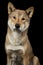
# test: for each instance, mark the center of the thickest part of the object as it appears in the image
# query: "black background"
(35, 30)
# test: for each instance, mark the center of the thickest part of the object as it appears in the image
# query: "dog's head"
(19, 19)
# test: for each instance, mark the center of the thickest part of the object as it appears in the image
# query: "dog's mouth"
(18, 30)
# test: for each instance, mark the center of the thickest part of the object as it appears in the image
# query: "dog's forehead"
(19, 12)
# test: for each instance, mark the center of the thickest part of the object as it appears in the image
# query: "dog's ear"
(10, 7)
(30, 11)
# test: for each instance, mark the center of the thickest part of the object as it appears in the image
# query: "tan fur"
(23, 43)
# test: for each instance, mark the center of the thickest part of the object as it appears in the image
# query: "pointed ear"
(30, 11)
(10, 7)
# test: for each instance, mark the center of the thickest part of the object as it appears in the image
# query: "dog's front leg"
(11, 58)
(26, 60)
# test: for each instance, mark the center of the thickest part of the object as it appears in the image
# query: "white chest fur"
(15, 38)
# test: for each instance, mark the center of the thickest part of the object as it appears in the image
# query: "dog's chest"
(15, 38)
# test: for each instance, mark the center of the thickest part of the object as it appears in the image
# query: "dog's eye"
(23, 18)
(14, 17)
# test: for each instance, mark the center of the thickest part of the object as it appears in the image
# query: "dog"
(17, 44)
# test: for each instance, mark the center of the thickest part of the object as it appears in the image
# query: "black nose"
(17, 25)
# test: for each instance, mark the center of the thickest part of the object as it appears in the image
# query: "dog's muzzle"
(17, 27)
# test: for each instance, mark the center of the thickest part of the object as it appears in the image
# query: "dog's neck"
(16, 37)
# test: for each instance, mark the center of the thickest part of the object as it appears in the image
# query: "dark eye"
(14, 17)
(23, 18)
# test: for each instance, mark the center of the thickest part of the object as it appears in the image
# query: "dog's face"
(19, 19)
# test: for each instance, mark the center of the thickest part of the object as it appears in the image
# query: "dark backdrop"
(35, 30)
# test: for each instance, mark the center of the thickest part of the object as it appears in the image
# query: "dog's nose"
(17, 26)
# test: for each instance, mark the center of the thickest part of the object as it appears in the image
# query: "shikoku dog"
(17, 44)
